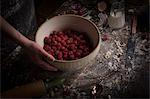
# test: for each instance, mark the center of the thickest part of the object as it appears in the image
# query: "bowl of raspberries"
(73, 40)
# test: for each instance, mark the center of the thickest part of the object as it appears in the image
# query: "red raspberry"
(81, 47)
(55, 42)
(54, 48)
(65, 50)
(49, 41)
(68, 31)
(46, 47)
(51, 53)
(65, 56)
(74, 51)
(60, 56)
(83, 42)
(68, 41)
(81, 36)
(78, 39)
(58, 39)
(72, 46)
(78, 54)
(70, 52)
(46, 40)
(67, 45)
(71, 40)
(56, 52)
(75, 42)
(58, 47)
(54, 32)
(80, 51)
(59, 44)
(72, 56)
(62, 47)
(55, 36)
(53, 39)
(85, 53)
(86, 49)
(63, 43)
(65, 37)
(51, 50)
(60, 33)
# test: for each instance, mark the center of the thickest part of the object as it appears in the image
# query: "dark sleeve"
(20, 14)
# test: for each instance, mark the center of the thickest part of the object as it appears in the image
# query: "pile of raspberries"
(67, 44)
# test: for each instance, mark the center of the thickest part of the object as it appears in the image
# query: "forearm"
(13, 33)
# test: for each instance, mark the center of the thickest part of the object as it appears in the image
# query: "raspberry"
(60, 56)
(51, 53)
(62, 47)
(70, 52)
(83, 41)
(51, 50)
(65, 50)
(60, 33)
(46, 40)
(78, 39)
(74, 50)
(54, 48)
(55, 36)
(81, 36)
(49, 41)
(65, 56)
(67, 45)
(58, 39)
(72, 46)
(75, 42)
(55, 42)
(86, 53)
(54, 32)
(71, 40)
(65, 37)
(56, 52)
(63, 43)
(81, 47)
(53, 39)
(46, 47)
(68, 41)
(59, 45)
(86, 49)
(68, 31)
(72, 56)
(77, 54)
(80, 51)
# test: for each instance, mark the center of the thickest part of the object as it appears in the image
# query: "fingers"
(43, 64)
(48, 55)
(45, 54)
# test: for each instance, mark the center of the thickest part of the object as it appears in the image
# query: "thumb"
(47, 55)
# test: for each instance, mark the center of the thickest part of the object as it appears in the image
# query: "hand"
(33, 49)
(36, 53)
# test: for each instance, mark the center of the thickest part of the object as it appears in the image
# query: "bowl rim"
(72, 15)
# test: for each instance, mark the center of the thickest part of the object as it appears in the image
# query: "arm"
(33, 49)
(13, 33)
